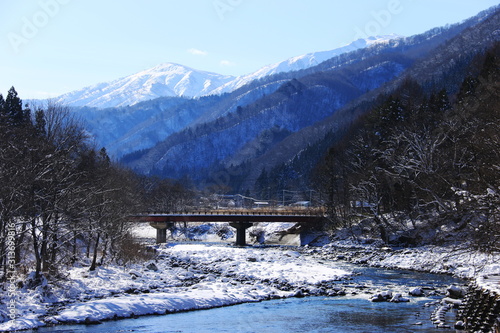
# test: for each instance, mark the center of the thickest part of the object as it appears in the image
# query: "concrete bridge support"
(241, 228)
(161, 230)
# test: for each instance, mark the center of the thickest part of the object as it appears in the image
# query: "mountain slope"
(228, 147)
(164, 80)
(296, 104)
(168, 80)
(446, 65)
(140, 126)
(302, 62)
(123, 130)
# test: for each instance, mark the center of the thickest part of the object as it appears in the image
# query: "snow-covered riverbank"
(184, 277)
(460, 262)
(196, 276)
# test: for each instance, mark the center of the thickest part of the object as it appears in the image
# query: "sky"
(50, 47)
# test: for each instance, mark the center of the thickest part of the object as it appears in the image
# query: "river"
(351, 313)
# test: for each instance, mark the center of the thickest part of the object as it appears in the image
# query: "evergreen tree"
(440, 102)
(468, 88)
(3, 114)
(40, 123)
(262, 184)
(14, 109)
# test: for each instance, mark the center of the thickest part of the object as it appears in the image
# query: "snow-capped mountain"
(167, 79)
(170, 79)
(302, 62)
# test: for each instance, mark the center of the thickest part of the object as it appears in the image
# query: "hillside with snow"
(165, 80)
(169, 79)
(302, 62)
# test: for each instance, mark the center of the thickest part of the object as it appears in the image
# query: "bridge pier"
(161, 230)
(241, 228)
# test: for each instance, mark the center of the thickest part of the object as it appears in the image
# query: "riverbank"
(195, 276)
(458, 261)
(183, 277)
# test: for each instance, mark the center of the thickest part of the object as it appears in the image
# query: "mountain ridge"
(163, 80)
(228, 146)
(172, 79)
(303, 62)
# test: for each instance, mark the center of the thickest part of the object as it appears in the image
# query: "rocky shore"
(194, 276)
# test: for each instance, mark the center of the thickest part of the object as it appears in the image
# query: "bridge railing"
(285, 212)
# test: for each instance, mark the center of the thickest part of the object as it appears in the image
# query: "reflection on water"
(352, 313)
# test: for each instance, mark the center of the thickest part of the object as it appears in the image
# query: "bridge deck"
(241, 220)
(228, 217)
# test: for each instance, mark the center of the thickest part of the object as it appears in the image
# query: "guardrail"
(225, 212)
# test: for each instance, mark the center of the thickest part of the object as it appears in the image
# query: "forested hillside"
(445, 67)
(238, 142)
(423, 166)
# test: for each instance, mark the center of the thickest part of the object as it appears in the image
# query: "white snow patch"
(170, 79)
(185, 277)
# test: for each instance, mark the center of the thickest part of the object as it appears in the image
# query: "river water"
(351, 313)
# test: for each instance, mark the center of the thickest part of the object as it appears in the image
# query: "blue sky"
(49, 47)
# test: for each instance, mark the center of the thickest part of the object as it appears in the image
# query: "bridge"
(240, 220)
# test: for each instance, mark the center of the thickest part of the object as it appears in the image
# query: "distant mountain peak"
(166, 79)
(171, 79)
(303, 62)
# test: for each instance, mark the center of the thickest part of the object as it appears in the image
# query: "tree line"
(62, 201)
(425, 160)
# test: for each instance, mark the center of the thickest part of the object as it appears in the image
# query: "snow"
(455, 260)
(186, 277)
(136, 305)
(212, 291)
(170, 79)
(491, 281)
(198, 275)
(302, 62)
(436, 259)
(166, 79)
(482, 268)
